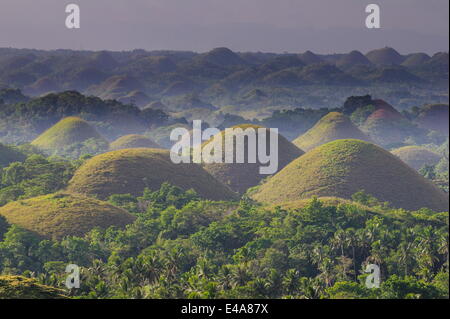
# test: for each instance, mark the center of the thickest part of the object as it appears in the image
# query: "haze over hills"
(344, 167)
(219, 76)
(417, 157)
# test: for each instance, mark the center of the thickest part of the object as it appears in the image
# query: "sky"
(322, 26)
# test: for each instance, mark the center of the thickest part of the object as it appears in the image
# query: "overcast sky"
(323, 26)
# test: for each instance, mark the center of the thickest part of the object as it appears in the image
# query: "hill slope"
(416, 156)
(333, 126)
(68, 131)
(19, 287)
(241, 176)
(385, 56)
(58, 215)
(133, 141)
(344, 167)
(130, 171)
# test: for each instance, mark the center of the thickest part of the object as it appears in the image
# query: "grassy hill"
(19, 287)
(133, 141)
(385, 56)
(416, 156)
(68, 131)
(386, 126)
(130, 171)
(416, 59)
(64, 214)
(344, 167)
(352, 59)
(333, 126)
(241, 176)
(9, 154)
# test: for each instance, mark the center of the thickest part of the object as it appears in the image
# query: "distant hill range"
(140, 77)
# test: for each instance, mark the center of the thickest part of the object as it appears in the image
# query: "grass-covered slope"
(58, 215)
(333, 126)
(241, 176)
(130, 171)
(9, 154)
(416, 156)
(133, 141)
(344, 167)
(19, 287)
(68, 131)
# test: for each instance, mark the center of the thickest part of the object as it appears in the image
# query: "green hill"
(351, 59)
(64, 214)
(344, 167)
(68, 131)
(19, 287)
(384, 56)
(241, 176)
(416, 156)
(133, 141)
(9, 154)
(416, 59)
(130, 171)
(333, 126)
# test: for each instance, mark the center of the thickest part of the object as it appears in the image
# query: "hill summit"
(133, 141)
(385, 56)
(333, 126)
(130, 171)
(68, 131)
(342, 168)
(241, 176)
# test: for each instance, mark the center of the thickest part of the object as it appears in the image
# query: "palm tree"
(352, 242)
(443, 246)
(406, 254)
(291, 281)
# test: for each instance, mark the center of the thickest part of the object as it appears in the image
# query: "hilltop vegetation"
(23, 122)
(344, 167)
